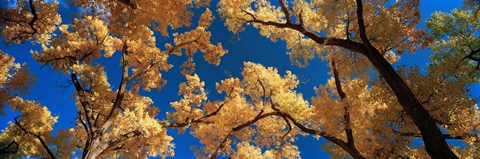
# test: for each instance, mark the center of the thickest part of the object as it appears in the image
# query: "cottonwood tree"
(112, 121)
(363, 35)
(379, 114)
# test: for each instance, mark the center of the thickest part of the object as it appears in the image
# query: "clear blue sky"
(52, 88)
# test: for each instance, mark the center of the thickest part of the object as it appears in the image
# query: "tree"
(334, 29)
(107, 27)
(367, 109)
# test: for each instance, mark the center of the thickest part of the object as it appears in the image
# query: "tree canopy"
(116, 55)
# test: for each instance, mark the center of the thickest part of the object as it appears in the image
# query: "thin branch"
(347, 27)
(7, 149)
(257, 118)
(70, 59)
(96, 120)
(445, 136)
(330, 41)
(289, 127)
(263, 88)
(121, 88)
(300, 19)
(219, 108)
(174, 125)
(198, 119)
(222, 144)
(345, 146)
(35, 17)
(89, 137)
(170, 51)
(346, 115)
(285, 11)
(25, 34)
(85, 104)
(44, 144)
(444, 78)
(84, 124)
(472, 54)
(123, 137)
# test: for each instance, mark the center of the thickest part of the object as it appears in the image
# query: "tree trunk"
(95, 149)
(435, 145)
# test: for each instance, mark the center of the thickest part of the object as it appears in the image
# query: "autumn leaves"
(377, 114)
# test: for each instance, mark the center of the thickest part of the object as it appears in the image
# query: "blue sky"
(52, 88)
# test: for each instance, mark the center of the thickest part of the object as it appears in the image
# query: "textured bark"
(435, 144)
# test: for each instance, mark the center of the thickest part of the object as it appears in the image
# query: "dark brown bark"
(352, 151)
(35, 17)
(435, 145)
(445, 136)
(39, 138)
(11, 148)
(431, 134)
(346, 113)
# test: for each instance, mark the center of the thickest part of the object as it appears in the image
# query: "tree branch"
(346, 115)
(198, 119)
(219, 108)
(35, 17)
(435, 145)
(472, 54)
(431, 134)
(445, 136)
(128, 3)
(85, 104)
(345, 146)
(7, 150)
(222, 144)
(96, 146)
(330, 41)
(264, 93)
(44, 144)
(122, 86)
(170, 51)
(285, 11)
(24, 34)
(350, 150)
(124, 137)
(361, 24)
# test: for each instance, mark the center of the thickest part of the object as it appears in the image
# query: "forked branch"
(37, 136)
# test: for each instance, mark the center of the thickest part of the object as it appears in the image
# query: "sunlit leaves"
(261, 113)
(36, 120)
(30, 19)
(246, 115)
(84, 39)
(137, 133)
(389, 27)
(14, 79)
(197, 39)
(109, 29)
